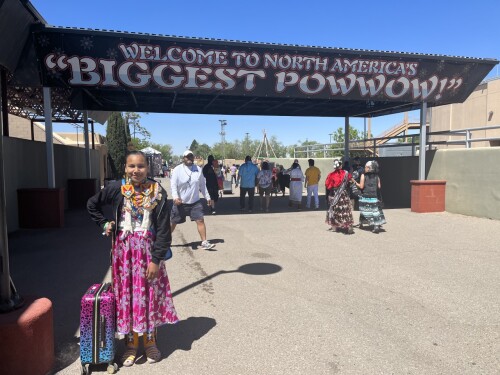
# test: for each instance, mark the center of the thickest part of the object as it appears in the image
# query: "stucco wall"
(472, 180)
(26, 167)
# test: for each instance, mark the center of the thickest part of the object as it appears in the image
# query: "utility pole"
(222, 133)
(246, 143)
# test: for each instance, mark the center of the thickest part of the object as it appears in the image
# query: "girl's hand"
(152, 271)
(110, 226)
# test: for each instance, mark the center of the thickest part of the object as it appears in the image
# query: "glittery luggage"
(97, 325)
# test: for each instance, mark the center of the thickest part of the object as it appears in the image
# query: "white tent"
(150, 151)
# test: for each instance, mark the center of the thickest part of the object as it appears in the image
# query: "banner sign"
(112, 61)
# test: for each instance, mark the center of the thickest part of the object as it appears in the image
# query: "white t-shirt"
(187, 182)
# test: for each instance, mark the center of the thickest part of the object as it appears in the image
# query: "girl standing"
(141, 227)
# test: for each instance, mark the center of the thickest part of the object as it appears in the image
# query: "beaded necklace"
(139, 202)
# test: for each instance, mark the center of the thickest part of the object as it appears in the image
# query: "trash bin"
(40, 207)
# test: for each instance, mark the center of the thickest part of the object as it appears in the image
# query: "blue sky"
(436, 27)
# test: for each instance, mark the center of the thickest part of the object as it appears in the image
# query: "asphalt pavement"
(282, 295)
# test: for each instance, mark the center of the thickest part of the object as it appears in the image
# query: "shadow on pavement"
(181, 336)
(195, 245)
(249, 269)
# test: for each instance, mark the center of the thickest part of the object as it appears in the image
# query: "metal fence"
(409, 142)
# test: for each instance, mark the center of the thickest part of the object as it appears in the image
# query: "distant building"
(481, 109)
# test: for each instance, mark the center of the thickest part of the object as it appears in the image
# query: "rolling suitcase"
(97, 328)
(228, 187)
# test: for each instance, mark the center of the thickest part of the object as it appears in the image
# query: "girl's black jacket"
(160, 216)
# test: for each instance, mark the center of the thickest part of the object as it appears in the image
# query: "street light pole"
(222, 133)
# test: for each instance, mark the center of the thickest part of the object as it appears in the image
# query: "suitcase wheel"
(112, 368)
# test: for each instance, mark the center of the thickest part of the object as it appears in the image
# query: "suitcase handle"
(102, 333)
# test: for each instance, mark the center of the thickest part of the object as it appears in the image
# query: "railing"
(372, 146)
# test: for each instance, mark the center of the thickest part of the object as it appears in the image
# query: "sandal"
(128, 358)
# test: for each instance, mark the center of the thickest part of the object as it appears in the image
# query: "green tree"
(166, 151)
(204, 150)
(279, 149)
(194, 147)
(138, 144)
(135, 127)
(116, 139)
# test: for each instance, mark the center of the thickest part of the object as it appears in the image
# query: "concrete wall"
(26, 167)
(472, 180)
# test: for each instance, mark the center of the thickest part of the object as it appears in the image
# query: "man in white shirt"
(187, 181)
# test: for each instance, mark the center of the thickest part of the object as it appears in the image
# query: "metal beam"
(346, 139)
(49, 138)
(9, 299)
(5, 110)
(423, 141)
(86, 140)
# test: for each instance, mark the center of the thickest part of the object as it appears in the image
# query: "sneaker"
(205, 245)
(213, 212)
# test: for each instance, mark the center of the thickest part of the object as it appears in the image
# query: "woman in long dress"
(370, 212)
(339, 213)
(296, 181)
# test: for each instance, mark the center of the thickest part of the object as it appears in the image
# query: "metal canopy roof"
(105, 70)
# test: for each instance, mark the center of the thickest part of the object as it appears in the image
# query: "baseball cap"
(187, 152)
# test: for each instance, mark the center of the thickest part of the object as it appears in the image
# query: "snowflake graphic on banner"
(112, 53)
(370, 104)
(423, 73)
(468, 67)
(440, 66)
(44, 40)
(58, 51)
(87, 43)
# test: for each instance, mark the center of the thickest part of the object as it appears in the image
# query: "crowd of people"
(142, 224)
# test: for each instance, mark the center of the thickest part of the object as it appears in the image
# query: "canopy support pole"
(9, 299)
(49, 137)
(346, 139)
(423, 141)
(86, 139)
